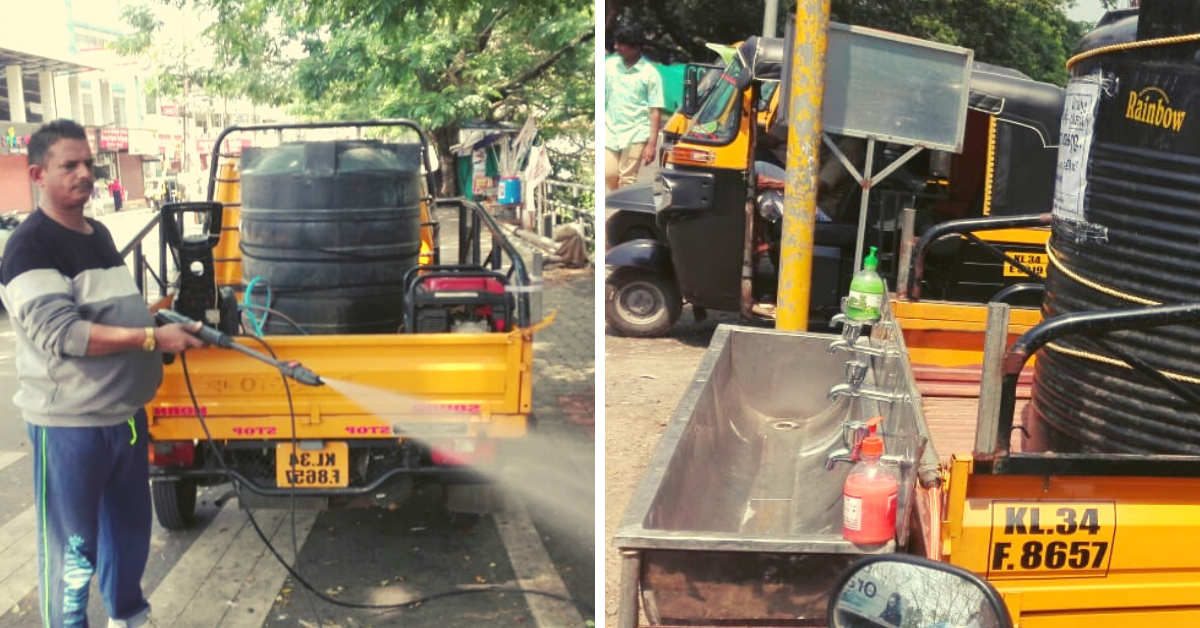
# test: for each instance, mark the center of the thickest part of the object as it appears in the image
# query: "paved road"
(219, 573)
(644, 379)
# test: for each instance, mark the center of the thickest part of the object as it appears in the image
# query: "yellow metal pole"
(804, 146)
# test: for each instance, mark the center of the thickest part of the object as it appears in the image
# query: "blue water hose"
(255, 323)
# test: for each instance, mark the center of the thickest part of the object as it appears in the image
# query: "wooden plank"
(961, 389)
(951, 422)
(959, 374)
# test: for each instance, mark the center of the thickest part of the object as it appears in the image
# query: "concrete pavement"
(564, 408)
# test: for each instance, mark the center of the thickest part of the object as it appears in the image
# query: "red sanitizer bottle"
(869, 498)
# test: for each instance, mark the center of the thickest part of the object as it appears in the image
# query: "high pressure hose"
(223, 340)
(294, 370)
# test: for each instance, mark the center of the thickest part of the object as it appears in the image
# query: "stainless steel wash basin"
(737, 517)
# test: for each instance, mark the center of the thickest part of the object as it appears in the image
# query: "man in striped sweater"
(88, 359)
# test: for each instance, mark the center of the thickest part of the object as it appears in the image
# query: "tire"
(174, 502)
(641, 304)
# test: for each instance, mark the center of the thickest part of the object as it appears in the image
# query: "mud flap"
(476, 499)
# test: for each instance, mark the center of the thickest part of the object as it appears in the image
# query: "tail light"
(174, 453)
(460, 452)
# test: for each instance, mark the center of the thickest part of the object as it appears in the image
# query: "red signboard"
(169, 110)
(232, 146)
(169, 144)
(113, 139)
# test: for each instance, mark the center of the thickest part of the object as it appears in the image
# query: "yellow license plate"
(327, 467)
(1051, 539)
(1035, 261)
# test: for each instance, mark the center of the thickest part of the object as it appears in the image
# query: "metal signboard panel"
(895, 88)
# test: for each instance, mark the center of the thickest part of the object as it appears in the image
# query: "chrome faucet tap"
(856, 372)
(862, 345)
(839, 455)
(853, 433)
(851, 329)
(846, 390)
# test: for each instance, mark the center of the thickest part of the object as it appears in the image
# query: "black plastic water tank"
(1132, 241)
(331, 227)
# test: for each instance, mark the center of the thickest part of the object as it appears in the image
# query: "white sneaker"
(141, 620)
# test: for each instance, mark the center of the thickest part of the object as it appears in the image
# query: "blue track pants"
(92, 493)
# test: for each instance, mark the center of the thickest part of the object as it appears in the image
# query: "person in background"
(117, 192)
(88, 359)
(834, 182)
(633, 103)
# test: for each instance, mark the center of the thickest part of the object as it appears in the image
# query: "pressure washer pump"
(194, 256)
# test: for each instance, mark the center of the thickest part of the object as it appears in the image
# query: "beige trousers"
(621, 168)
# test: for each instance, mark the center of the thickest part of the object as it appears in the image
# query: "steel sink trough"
(737, 520)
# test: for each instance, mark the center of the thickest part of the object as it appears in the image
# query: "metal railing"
(141, 267)
(562, 202)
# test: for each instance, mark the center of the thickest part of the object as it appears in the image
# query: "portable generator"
(456, 299)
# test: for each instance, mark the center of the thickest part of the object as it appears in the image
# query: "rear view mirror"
(698, 79)
(691, 85)
(898, 591)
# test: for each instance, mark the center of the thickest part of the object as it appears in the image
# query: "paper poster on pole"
(1075, 145)
(481, 184)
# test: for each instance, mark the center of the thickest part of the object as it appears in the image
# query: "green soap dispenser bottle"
(866, 292)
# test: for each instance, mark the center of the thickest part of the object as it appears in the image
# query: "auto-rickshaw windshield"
(716, 122)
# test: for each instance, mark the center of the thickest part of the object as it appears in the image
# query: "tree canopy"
(441, 63)
(1034, 36)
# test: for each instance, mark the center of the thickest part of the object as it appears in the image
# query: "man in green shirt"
(633, 103)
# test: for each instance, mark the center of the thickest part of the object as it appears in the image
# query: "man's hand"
(177, 338)
(651, 149)
(648, 153)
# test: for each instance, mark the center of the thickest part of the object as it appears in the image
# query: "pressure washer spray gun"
(223, 340)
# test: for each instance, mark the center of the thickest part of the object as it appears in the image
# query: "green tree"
(1034, 36)
(439, 63)
(182, 63)
(147, 38)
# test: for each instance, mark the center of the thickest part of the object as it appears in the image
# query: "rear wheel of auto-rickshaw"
(641, 304)
(174, 502)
